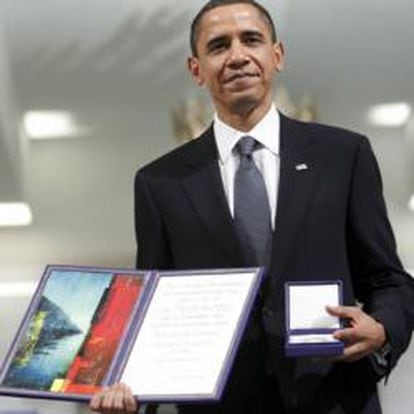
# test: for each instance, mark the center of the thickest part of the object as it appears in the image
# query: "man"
(324, 217)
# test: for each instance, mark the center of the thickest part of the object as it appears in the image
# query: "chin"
(245, 104)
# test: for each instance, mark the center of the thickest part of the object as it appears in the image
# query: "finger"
(118, 399)
(343, 311)
(130, 403)
(347, 335)
(108, 398)
(347, 358)
(355, 352)
(96, 401)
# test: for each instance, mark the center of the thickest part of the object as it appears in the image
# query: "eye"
(252, 39)
(217, 47)
(218, 44)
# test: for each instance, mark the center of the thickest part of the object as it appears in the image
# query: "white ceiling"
(120, 66)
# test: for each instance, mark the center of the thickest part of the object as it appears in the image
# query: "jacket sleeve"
(153, 251)
(380, 283)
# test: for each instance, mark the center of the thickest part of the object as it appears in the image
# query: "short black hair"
(212, 4)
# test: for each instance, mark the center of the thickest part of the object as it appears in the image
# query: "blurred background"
(90, 91)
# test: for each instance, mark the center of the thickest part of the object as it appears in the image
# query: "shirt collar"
(267, 132)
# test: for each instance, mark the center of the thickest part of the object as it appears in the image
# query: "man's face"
(237, 59)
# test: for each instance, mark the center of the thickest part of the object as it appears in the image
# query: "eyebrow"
(224, 38)
(215, 41)
(256, 33)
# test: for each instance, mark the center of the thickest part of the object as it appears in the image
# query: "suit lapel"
(204, 188)
(298, 173)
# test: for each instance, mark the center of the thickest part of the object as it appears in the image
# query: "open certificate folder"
(171, 336)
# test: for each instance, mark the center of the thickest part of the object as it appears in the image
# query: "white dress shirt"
(267, 157)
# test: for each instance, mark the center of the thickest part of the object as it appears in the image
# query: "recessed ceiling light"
(411, 203)
(392, 115)
(17, 289)
(15, 214)
(50, 124)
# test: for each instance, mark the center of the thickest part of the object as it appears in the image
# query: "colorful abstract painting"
(74, 331)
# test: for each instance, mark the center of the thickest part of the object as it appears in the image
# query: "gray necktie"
(251, 205)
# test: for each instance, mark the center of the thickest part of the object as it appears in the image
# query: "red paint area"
(89, 368)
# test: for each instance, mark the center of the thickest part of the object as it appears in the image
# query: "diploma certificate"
(171, 336)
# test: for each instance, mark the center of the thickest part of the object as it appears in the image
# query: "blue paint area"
(69, 302)
(77, 293)
(45, 365)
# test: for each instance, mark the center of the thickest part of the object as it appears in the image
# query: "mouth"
(238, 76)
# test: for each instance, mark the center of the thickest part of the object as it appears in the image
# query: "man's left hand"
(363, 336)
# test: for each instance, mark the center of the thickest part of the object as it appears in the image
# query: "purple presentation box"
(309, 327)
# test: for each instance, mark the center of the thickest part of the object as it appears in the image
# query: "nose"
(238, 56)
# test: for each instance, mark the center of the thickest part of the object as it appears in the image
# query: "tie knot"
(246, 146)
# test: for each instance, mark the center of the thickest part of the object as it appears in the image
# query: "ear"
(193, 66)
(279, 56)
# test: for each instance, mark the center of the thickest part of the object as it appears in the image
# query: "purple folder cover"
(80, 327)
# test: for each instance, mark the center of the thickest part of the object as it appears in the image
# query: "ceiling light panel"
(17, 289)
(411, 203)
(15, 214)
(50, 124)
(393, 115)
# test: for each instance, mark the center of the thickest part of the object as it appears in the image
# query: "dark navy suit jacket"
(331, 223)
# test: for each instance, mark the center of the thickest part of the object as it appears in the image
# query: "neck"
(244, 120)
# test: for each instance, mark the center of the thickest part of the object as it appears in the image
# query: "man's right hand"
(117, 399)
